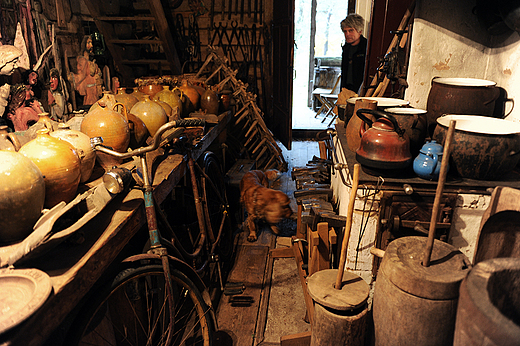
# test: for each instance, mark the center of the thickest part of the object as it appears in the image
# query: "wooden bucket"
(489, 304)
(413, 304)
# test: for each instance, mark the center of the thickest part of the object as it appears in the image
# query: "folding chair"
(320, 92)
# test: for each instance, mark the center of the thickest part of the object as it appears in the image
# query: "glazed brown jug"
(22, 197)
(192, 102)
(209, 102)
(128, 100)
(151, 113)
(353, 130)
(59, 163)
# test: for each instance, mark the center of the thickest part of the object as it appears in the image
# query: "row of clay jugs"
(209, 102)
(8, 140)
(151, 113)
(59, 163)
(22, 197)
(81, 142)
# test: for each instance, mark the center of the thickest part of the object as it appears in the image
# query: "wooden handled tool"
(438, 195)
(348, 226)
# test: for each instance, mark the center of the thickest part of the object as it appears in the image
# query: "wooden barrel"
(489, 304)
(413, 304)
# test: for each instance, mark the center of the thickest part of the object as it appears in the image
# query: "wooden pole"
(348, 226)
(438, 194)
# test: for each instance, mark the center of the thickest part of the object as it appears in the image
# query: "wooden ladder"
(151, 11)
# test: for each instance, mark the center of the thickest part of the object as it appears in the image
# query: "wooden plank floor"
(278, 307)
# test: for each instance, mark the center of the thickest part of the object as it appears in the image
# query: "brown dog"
(261, 202)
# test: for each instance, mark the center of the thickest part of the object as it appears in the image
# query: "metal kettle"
(384, 145)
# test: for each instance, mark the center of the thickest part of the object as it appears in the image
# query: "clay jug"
(169, 97)
(22, 197)
(178, 100)
(108, 99)
(128, 100)
(150, 89)
(81, 142)
(353, 133)
(140, 96)
(110, 125)
(59, 163)
(166, 107)
(192, 98)
(209, 102)
(151, 113)
(225, 100)
(8, 141)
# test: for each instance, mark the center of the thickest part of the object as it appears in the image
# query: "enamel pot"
(460, 96)
(483, 148)
(385, 144)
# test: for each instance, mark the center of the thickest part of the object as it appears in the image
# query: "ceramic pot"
(353, 130)
(192, 101)
(108, 100)
(140, 96)
(225, 101)
(8, 140)
(209, 102)
(169, 97)
(414, 122)
(22, 197)
(81, 142)
(150, 89)
(166, 107)
(59, 163)
(151, 113)
(108, 124)
(427, 164)
(129, 100)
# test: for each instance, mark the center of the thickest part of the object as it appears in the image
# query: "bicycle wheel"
(134, 310)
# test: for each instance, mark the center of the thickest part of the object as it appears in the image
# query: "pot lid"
(381, 101)
(480, 124)
(432, 147)
(441, 280)
(469, 82)
(23, 292)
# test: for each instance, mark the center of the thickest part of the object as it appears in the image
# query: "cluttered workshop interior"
(260, 172)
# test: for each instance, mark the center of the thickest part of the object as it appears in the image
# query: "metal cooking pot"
(460, 96)
(483, 148)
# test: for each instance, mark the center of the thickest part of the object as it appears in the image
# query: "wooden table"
(75, 269)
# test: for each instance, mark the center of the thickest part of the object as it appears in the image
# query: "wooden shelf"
(136, 18)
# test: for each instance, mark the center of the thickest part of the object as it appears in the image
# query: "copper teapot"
(384, 145)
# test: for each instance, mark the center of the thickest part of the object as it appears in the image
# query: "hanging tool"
(256, 12)
(229, 9)
(249, 8)
(261, 11)
(211, 14)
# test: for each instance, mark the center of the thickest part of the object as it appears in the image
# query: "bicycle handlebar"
(158, 140)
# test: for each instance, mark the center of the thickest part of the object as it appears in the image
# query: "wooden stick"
(438, 195)
(348, 226)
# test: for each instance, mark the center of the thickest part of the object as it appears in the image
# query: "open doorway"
(317, 56)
